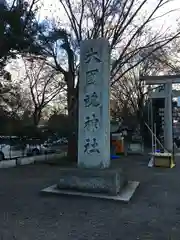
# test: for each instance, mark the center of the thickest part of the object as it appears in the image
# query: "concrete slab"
(25, 161)
(30, 160)
(8, 164)
(124, 196)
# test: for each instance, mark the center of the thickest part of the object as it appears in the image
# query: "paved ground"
(154, 212)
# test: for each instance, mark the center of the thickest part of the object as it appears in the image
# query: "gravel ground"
(153, 213)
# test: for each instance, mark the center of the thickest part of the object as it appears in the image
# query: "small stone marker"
(94, 114)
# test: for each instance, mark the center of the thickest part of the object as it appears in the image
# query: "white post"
(94, 114)
(152, 126)
(155, 143)
(168, 136)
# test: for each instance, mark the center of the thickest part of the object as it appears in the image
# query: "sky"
(52, 8)
(169, 19)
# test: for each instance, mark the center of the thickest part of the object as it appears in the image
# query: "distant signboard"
(158, 92)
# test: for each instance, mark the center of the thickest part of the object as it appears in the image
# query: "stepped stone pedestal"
(106, 181)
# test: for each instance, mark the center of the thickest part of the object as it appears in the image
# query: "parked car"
(37, 149)
(59, 141)
(56, 145)
(11, 148)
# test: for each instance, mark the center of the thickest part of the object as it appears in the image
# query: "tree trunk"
(36, 117)
(72, 140)
(72, 101)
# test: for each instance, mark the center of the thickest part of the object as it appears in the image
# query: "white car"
(37, 149)
(34, 149)
(10, 152)
(10, 149)
(60, 141)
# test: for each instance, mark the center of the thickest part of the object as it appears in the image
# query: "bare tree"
(131, 90)
(124, 23)
(131, 94)
(44, 85)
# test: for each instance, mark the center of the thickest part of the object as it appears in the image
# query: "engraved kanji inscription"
(91, 100)
(91, 123)
(94, 146)
(92, 55)
(87, 146)
(91, 76)
(91, 146)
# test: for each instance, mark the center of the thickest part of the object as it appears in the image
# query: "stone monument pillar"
(94, 114)
(93, 177)
(168, 136)
(93, 174)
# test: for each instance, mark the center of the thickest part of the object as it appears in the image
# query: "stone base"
(108, 181)
(124, 196)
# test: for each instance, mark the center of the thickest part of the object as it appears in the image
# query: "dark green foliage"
(59, 124)
(18, 30)
(18, 35)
